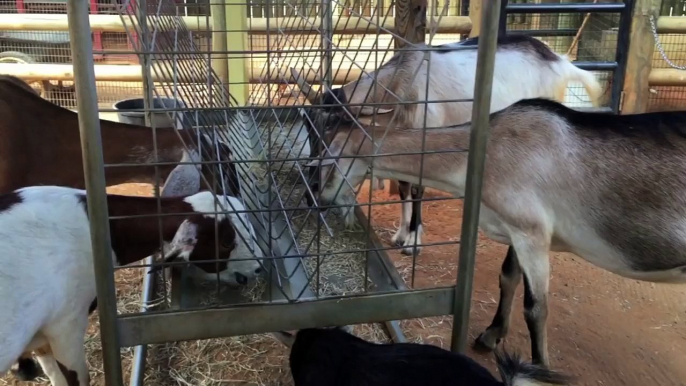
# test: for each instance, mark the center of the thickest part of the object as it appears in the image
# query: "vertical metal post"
(94, 173)
(326, 12)
(146, 62)
(475, 167)
(502, 22)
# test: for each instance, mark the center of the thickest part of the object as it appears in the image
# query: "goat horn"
(305, 87)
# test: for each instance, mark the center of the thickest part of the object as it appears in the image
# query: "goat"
(41, 145)
(524, 68)
(334, 357)
(47, 294)
(610, 189)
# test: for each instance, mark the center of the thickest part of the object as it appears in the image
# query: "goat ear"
(285, 337)
(184, 241)
(324, 162)
(370, 111)
(169, 257)
(183, 180)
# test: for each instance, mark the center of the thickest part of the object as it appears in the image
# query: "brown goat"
(41, 144)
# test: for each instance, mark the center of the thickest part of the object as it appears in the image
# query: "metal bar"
(326, 41)
(596, 66)
(140, 352)
(543, 32)
(502, 22)
(475, 168)
(94, 173)
(257, 26)
(566, 8)
(384, 279)
(214, 323)
(623, 36)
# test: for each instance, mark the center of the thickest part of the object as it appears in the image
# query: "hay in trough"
(332, 272)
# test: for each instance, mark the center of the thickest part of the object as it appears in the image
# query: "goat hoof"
(409, 251)
(398, 238)
(486, 342)
(26, 369)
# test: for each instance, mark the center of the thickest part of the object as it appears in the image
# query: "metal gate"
(617, 67)
(168, 69)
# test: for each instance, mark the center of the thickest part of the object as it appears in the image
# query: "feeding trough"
(167, 119)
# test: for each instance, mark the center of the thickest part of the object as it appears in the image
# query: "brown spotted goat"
(47, 293)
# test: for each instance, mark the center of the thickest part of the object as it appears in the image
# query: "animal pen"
(317, 274)
(225, 66)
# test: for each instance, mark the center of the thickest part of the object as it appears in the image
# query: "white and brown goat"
(524, 68)
(47, 283)
(610, 189)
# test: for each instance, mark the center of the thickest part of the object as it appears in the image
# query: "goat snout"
(241, 279)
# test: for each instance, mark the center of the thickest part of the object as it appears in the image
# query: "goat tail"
(591, 84)
(516, 372)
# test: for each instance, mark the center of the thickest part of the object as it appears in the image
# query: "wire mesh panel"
(670, 53)
(304, 263)
(583, 37)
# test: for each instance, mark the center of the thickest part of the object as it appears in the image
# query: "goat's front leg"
(405, 190)
(414, 236)
(510, 276)
(532, 254)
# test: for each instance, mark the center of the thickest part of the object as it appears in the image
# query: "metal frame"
(618, 67)
(163, 326)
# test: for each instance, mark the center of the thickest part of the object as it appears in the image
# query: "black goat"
(333, 357)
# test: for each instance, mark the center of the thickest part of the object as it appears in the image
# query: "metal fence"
(316, 272)
(670, 52)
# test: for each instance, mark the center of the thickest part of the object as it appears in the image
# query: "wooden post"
(237, 40)
(475, 15)
(410, 21)
(636, 91)
(219, 63)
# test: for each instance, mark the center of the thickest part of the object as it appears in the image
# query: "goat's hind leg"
(510, 276)
(67, 344)
(414, 236)
(532, 254)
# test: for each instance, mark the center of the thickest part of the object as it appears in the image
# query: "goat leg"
(510, 276)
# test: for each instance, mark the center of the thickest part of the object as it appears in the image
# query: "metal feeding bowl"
(168, 119)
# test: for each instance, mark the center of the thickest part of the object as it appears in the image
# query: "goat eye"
(228, 244)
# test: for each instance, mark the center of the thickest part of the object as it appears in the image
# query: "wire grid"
(53, 47)
(582, 37)
(361, 47)
(179, 57)
(666, 98)
(335, 260)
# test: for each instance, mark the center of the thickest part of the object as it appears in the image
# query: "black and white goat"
(333, 357)
(524, 68)
(610, 189)
(47, 285)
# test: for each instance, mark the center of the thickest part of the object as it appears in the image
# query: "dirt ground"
(602, 328)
